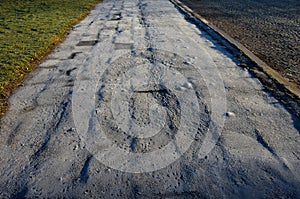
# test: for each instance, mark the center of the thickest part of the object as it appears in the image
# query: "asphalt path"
(137, 102)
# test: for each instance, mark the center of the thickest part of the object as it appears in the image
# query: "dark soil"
(269, 28)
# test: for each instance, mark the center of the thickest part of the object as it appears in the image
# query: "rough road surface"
(139, 103)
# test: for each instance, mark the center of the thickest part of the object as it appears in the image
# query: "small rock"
(71, 130)
(186, 63)
(230, 114)
(188, 85)
(180, 88)
(75, 147)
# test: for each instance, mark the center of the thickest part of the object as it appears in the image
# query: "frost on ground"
(44, 149)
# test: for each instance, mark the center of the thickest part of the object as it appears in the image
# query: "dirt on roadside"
(268, 28)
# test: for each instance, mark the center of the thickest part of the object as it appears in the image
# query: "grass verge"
(29, 29)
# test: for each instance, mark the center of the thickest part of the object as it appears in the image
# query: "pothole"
(73, 55)
(123, 46)
(116, 16)
(87, 43)
(155, 99)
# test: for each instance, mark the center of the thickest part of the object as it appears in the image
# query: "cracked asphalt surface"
(122, 58)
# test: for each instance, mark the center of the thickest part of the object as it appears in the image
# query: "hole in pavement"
(116, 16)
(73, 55)
(120, 46)
(68, 72)
(87, 43)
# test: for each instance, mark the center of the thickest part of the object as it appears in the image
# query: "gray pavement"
(139, 103)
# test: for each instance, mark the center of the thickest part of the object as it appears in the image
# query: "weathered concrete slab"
(154, 109)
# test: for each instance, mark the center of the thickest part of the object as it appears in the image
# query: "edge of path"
(286, 92)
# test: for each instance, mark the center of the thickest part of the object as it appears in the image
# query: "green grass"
(29, 29)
